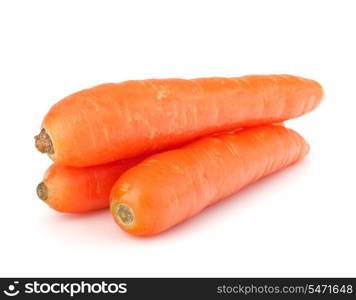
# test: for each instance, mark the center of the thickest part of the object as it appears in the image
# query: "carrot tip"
(125, 214)
(43, 142)
(42, 191)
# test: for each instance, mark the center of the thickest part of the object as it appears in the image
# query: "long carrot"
(115, 121)
(169, 187)
(75, 190)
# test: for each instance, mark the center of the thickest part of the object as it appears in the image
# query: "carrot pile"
(160, 151)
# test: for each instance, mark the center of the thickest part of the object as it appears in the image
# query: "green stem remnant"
(42, 191)
(125, 214)
(44, 143)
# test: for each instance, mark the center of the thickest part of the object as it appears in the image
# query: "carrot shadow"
(81, 227)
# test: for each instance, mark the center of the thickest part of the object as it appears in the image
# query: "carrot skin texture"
(168, 188)
(78, 190)
(115, 121)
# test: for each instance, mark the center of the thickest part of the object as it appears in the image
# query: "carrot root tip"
(43, 142)
(42, 191)
(125, 214)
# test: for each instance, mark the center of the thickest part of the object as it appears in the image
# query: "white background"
(299, 222)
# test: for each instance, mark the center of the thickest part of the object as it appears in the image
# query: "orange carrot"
(167, 188)
(75, 190)
(115, 121)
(279, 124)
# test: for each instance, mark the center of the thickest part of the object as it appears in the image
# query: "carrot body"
(169, 187)
(116, 121)
(75, 190)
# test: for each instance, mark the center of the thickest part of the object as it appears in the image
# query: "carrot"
(280, 124)
(116, 121)
(168, 188)
(75, 190)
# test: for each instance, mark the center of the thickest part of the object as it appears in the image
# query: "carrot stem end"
(125, 214)
(42, 191)
(44, 143)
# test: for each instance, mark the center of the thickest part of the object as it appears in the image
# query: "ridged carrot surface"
(75, 190)
(115, 121)
(167, 188)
